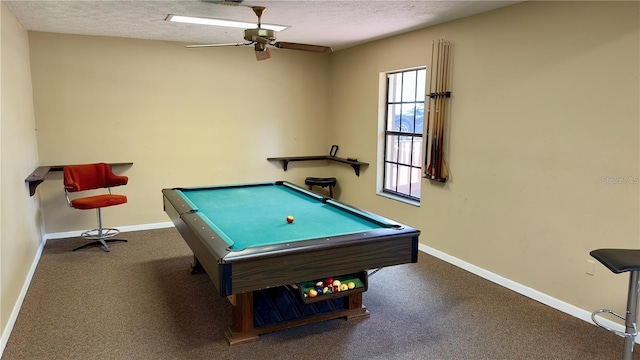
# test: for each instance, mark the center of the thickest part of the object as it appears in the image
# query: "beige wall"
(545, 105)
(20, 220)
(184, 117)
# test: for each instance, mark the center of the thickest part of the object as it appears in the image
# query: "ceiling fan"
(262, 38)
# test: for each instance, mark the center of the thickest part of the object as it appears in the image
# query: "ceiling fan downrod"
(259, 10)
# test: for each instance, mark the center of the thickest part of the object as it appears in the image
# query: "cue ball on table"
(289, 219)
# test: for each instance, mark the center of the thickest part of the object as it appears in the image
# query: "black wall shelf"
(355, 164)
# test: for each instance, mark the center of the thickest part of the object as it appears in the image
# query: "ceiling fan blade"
(217, 45)
(263, 55)
(303, 47)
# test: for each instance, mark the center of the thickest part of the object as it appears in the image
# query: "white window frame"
(383, 133)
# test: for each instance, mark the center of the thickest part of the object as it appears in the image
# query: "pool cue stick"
(428, 104)
(435, 77)
(438, 129)
(445, 169)
(430, 112)
(441, 163)
(436, 159)
(447, 99)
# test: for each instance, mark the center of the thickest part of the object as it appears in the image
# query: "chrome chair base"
(100, 237)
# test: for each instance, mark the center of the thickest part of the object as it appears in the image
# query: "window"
(404, 127)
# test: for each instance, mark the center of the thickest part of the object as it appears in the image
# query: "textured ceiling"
(339, 24)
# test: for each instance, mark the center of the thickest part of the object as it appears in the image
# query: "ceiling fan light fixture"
(221, 22)
(260, 36)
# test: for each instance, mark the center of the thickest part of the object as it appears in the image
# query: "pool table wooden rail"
(234, 272)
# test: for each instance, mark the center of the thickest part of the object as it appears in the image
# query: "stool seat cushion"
(322, 182)
(618, 260)
(98, 201)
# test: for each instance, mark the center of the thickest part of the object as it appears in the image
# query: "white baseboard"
(523, 290)
(68, 234)
(6, 332)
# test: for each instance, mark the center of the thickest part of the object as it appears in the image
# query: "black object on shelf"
(37, 176)
(355, 164)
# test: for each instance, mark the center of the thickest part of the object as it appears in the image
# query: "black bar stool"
(619, 261)
(322, 182)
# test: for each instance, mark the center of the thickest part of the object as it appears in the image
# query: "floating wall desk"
(37, 176)
(355, 164)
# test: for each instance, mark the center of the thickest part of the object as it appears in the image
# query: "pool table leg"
(241, 330)
(355, 308)
(196, 267)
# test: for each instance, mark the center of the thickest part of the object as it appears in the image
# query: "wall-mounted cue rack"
(435, 165)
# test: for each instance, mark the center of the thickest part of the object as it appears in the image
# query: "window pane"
(392, 148)
(404, 179)
(393, 117)
(416, 177)
(421, 88)
(395, 87)
(391, 173)
(409, 86)
(419, 127)
(404, 150)
(417, 152)
(408, 116)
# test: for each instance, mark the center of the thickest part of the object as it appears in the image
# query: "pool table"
(240, 236)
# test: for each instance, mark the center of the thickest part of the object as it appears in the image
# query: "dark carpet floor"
(140, 302)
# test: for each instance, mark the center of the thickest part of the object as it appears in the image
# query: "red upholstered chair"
(91, 177)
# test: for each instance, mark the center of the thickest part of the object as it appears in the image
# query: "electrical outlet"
(590, 267)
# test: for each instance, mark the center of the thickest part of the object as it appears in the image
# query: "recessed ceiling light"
(221, 22)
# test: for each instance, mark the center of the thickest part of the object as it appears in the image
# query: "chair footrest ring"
(94, 234)
(619, 333)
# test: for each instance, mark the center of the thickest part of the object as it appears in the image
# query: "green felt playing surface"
(256, 215)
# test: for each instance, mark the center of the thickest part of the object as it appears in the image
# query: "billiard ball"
(313, 293)
(289, 219)
(344, 287)
(351, 284)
